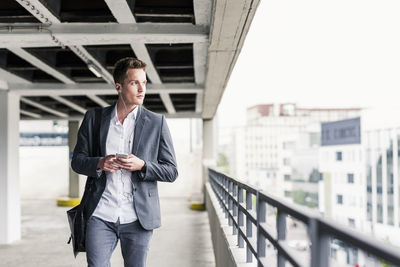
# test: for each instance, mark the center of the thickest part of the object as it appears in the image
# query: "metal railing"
(239, 211)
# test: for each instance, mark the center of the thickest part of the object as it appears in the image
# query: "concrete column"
(209, 141)
(73, 127)
(208, 160)
(10, 206)
(209, 148)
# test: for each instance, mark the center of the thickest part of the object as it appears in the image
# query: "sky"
(317, 54)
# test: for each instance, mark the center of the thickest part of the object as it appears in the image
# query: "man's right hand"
(107, 164)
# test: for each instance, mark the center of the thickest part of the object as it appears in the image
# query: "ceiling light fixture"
(93, 68)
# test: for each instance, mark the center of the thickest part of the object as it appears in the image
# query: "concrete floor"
(183, 240)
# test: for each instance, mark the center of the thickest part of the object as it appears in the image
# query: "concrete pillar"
(209, 149)
(10, 206)
(209, 140)
(73, 127)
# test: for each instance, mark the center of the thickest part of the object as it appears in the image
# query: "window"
(288, 194)
(350, 178)
(338, 156)
(339, 199)
(287, 177)
(286, 162)
(352, 222)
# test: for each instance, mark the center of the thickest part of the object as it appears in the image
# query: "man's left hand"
(131, 163)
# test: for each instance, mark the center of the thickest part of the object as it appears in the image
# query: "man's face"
(133, 89)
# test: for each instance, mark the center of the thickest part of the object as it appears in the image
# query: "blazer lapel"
(104, 126)
(141, 118)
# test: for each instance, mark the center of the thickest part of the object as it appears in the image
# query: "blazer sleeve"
(165, 169)
(82, 162)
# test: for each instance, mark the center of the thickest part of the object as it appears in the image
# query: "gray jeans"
(102, 238)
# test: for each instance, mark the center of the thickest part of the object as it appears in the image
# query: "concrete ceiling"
(49, 48)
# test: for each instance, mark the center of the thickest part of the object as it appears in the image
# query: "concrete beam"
(199, 101)
(47, 89)
(44, 108)
(122, 12)
(98, 100)
(178, 115)
(230, 25)
(11, 77)
(151, 71)
(100, 33)
(200, 53)
(10, 206)
(81, 52)
(202, 11)
(30, 114)
(69, 103)
(43, 14)
(166, 99)
(39, 11)
(40, 64)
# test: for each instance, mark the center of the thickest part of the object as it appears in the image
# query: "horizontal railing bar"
(251, 214)
(288, 208)
(288, 254)
(361, 241)
(240, 184)
(253, 245)
(248, 240)
(285, 250)
(264, 261)
(220, 184)
(295, 211)
(266, 231)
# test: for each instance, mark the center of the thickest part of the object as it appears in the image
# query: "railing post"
(230, 223)
(320, 245)
(240, 218)
(221, 192)
(235, 208)
(261, 218)
(225, 197)
(281, 235)
(249, 230)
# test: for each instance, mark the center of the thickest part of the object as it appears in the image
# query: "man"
(134, 152)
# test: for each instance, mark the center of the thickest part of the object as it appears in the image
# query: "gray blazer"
(152, 143)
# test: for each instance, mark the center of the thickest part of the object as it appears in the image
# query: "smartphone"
(119, 155)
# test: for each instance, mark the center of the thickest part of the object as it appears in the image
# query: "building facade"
(273, 135)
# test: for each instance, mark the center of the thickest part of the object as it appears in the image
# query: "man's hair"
(122, 66)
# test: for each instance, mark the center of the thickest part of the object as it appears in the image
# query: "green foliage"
(223, 162)
(384, 263)
(303, 198)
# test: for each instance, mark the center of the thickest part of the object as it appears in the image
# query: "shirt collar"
(131, 115)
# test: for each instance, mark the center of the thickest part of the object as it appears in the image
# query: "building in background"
(342, 189)
(359, 183)
(301, 175)
(264, 147)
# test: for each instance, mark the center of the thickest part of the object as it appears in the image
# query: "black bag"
(77, 225)
(76, 218)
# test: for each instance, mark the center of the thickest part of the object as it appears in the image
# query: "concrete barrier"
(226, 251)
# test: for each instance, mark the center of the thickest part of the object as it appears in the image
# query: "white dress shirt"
(117, 199)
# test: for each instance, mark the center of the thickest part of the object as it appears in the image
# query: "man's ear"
(118, 87)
